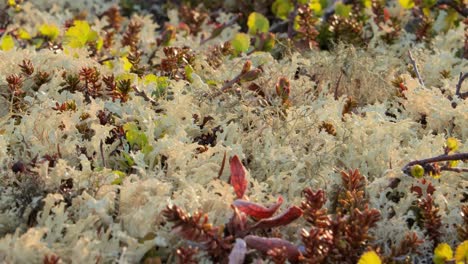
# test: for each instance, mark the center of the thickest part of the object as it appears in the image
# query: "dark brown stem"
(145, 96)
(105, 59)
(454, 169)
(444, 157)
(338, 85)
(462, 78)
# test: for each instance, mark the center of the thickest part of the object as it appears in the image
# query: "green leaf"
(7, 43)
(160, 82)
(406, 4)
(80, 34)
(343, 10)
(282, 8)
(128, 159)
(134, 136)
(188, 72)
(240, 42)
(49, 30)
(257, 23)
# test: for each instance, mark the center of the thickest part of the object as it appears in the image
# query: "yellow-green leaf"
(49, 30)
(316, 6)
(257, 23)
(282, 8)
(452, 144)
(406, 4)
(120, 176)
(7, 43)
(461, 254)
(23, 34)
(367, 3)
(417, 171)
(343, 10)
(127, 66)
(126, 76)
(240, 42)
(370, 257)
(442, 253)
(80, 34)
(453, 163)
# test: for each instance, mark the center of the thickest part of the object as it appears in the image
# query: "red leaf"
(256, 210)
(238, 180)
(264, 244)
(291, 214)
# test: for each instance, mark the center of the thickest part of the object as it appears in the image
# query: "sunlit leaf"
(370, 257)
(316, 6)
(127, 66)
(442, 253)
(240, 42)
(407, 4)
(461, 254)
(49, 30)
(23, 34)
(367, 3)
(257, 23)
(79, 34)
(7, 43)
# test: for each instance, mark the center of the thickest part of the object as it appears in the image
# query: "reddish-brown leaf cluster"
(409, 245)
(51, 259)
(27, 68)
(131, 36)
(193, 18)
(114, 18)
(173, 65)
(15, 84)
(463, 228)
(197, 228)
(66, 106)
(92, 83)
(307, 32)
(340, 237)
(430, 217)
(186, 255)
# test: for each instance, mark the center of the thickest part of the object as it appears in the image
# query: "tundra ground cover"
(298, 131)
